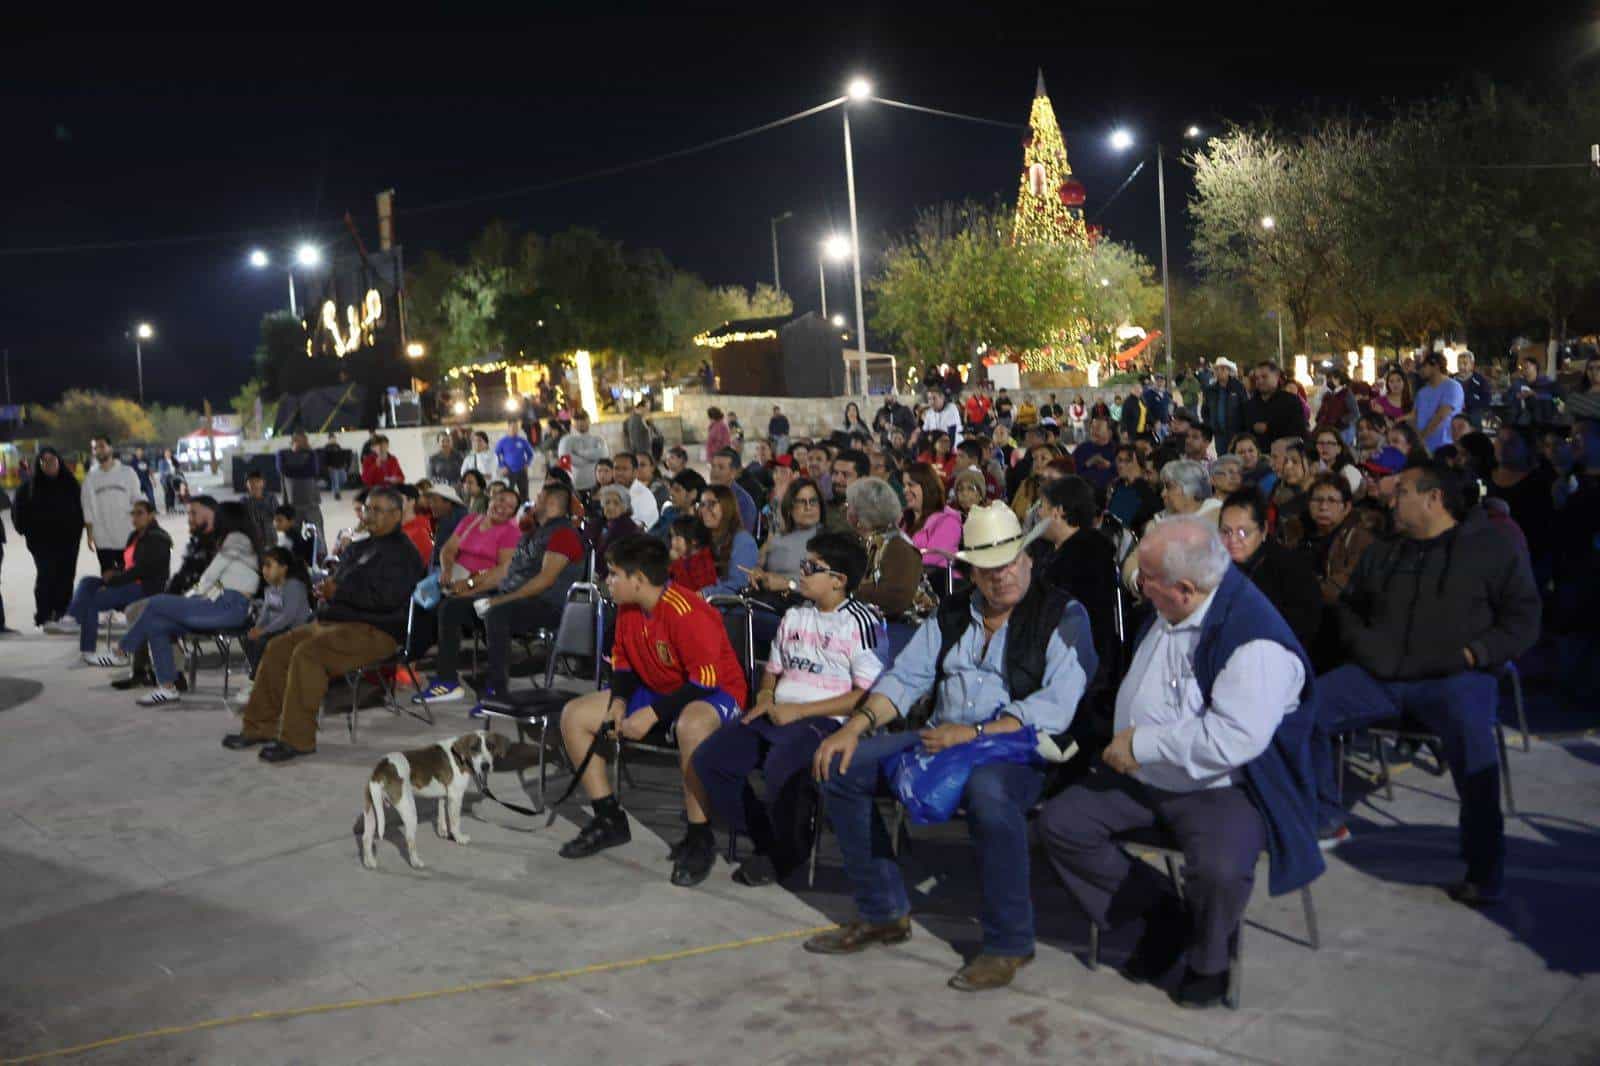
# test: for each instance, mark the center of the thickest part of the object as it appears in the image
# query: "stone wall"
(815, 417)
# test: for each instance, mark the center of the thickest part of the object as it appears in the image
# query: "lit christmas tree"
(1050, 211)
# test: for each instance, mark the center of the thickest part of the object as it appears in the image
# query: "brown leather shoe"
(989, 971)
(859, 936)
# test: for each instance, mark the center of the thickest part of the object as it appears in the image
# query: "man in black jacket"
(1222, 403)
(1428, 619)
(1273, 412)
(361, 620)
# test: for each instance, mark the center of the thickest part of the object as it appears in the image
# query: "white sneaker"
(62, 627)
(117, 618)
(161, 694)
(106, 659)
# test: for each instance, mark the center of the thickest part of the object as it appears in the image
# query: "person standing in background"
(49, 515)
(514, 453)
(141, 469)
(582, 450)
(167, 471)
(378, 467)
(336, 462)
(299, 471)
(778, 430)
(443, 465)
(109, 489)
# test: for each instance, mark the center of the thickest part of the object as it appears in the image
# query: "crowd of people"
(1180, 621)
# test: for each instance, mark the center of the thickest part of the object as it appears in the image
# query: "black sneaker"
(694, 862)
(239, 742)
(601, 833)
(139, 679)
(277, 751)
(1165, 936)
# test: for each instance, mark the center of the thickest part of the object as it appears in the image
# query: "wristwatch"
(472, 582)
(794, 586)
(977, 727)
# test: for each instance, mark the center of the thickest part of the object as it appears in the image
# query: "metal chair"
(389, 686)
(1161, 842)
(1510, 672)
(581, 632)
(1399, 729)
(223, 640)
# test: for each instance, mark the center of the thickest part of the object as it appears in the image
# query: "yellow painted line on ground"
(413, 997)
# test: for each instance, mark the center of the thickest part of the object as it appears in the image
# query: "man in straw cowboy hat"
(1010, 654)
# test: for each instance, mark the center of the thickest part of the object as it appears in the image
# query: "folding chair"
(581, 632)
(223, 640)
(1161, 842)
(1401, 728)
(389, 686)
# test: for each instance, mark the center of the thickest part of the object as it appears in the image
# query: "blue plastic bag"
(930, 786)
(427, 594)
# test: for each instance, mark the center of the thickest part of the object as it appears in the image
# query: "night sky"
(261, 139)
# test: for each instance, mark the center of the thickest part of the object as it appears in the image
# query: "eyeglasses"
(809, 568)
(710, 502)
(807, 501)
(1241, 533)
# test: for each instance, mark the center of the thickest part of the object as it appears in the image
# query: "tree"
(282, 338)
(1046, 211)
(83, 414)
(244, 403)
(1120, 289)
(958, 282)
(1222, 319)
(172, 422)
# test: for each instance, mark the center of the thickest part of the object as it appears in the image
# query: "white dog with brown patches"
(440, 771)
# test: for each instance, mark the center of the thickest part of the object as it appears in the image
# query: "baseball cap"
(1386, 461)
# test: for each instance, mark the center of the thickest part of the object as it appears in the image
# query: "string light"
(706, 340)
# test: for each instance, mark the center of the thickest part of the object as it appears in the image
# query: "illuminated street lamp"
(415, 350)
(306, 256)
(834, 247)
(142, 332)
(838, 320)
(1268, 222)
(860, 89)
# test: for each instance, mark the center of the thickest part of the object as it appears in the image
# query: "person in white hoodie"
(220, 600)
(109, 489)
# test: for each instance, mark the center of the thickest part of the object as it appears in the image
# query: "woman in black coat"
(1284, 575)
(48, 512)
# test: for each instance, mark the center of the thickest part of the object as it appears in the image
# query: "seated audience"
(1427, 619)
(1290, 497)
(894, 566)
(285, 603)
(801, 519)
(416, 523)
(934, 528)
(1222, 766)
(361, 620)
(822, 662)
(447, 511)
(1132, 500)
(675, 680)
(146, 560)
(220, 599)
(734, 548)
(692, 564)
(1227, 475)
(1283, 574)
(968, 490)
(1011, 654)
(1338, 537)
(616, 507)
(683, 495)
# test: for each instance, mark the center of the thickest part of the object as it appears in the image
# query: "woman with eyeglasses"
(802, 513)
(1283, 574)
(1333, 457)
(734, 549)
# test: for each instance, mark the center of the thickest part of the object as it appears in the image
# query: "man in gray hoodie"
(109, 489)
(1428, 619)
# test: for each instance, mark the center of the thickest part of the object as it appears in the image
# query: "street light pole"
(138, 358)
(855, 233)
(292, 309)
(1166, 287)
(777, 278)
(822, 283)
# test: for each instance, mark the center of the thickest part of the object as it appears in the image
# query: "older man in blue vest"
(1212, 744)
(1015, 653)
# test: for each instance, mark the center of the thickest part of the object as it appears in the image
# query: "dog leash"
(483, 786)
(583, 764)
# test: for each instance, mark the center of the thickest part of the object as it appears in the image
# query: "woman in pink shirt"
(481, 547)
(927, 521)
(718, 436)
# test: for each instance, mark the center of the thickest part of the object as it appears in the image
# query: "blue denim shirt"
(974, 688)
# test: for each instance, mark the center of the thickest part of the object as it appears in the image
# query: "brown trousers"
(295, 670)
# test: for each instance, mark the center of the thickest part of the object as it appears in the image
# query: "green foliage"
(957, 282)
(1446, 215)
(243, 405)
(171, 422)
(83, 414)
(282, 339)
(1221, 319)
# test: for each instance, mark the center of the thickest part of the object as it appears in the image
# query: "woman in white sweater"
(220, 600)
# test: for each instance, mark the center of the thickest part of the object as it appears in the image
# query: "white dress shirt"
(1181, 743)
(946, 419)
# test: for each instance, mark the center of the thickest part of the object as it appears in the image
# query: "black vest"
(1027, 635)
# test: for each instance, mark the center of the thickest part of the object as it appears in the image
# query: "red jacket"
(374, 474)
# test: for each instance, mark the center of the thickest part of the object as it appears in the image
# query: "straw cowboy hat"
(445, 492)
(993, 537)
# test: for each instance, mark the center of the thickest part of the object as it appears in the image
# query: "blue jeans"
(94, 596)
(1461, 709)
(998, 797)
(336, 479)
(167, 617)
(724, 762)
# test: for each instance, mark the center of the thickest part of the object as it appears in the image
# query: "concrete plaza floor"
(154, 881)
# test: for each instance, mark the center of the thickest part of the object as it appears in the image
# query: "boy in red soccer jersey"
(675, 677)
